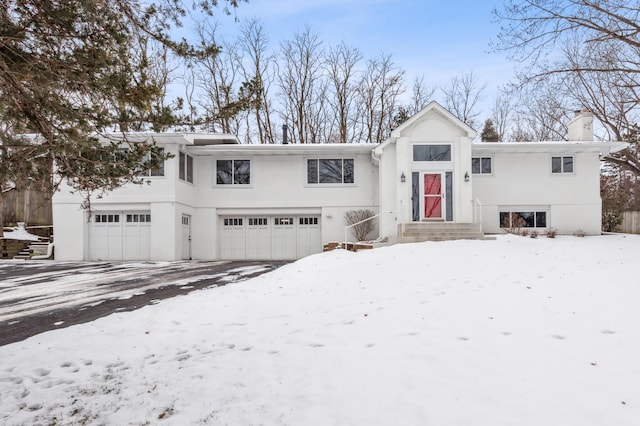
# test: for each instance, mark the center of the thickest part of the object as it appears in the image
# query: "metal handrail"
(346, 228)
(477, 212)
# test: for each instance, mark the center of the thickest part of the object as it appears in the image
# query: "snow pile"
(19, 233)
(517, 331)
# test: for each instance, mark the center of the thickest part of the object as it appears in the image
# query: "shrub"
(534, 234)
(361, 230)
(580, 233)
(513, 224)
(551, 232)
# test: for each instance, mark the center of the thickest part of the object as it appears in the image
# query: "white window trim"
(328, 185)
(232, 185)
(439, 163)
(186, 162)
(562, 172)
(535, 209)
(493, 163)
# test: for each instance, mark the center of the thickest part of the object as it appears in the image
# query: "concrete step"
(438, 231)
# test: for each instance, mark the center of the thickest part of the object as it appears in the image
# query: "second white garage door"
(120, 236)
(269, 237)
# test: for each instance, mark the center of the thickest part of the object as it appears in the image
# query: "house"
(218, 199)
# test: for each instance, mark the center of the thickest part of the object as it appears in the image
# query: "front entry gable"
(425, 168)
(433, 123)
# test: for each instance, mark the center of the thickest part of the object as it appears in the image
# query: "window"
(233, 172)
(431, 152)
(284, 221)
(338, 170)
(233, 221)
(525, 219)
(481, 166)
(562, 164)
(308, 221)
(258, 221)
(107, 218)
(138, 218)
(155, 154)
(185, 168)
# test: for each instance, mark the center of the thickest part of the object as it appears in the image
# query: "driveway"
(41, 296)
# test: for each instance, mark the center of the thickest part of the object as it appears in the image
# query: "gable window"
(431, 152)
(481, 166)
(185, 167)
(233, 172)
(523, 219)
(339, 170)
(562, 164)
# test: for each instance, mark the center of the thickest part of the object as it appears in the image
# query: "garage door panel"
(283, 240)
(258, 238)
(309, 235)
(232, 238)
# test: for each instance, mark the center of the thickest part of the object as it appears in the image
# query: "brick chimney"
(580, 128)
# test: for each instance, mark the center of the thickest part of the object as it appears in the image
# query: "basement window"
(523, 219)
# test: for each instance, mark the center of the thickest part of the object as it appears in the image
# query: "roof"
(549, 146)
(284, 149)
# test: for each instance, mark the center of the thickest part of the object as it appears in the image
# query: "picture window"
(339, 170)
(233, 172)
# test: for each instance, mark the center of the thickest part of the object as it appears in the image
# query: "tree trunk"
(1, 214)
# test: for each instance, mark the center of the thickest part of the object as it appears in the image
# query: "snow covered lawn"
(517, 331)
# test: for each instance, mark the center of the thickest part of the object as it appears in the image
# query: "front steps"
(35, 248)
(438, 231)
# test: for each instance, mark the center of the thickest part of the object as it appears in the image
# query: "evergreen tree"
(68, 73)
(489, 133)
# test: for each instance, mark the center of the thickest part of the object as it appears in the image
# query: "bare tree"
(596, 51)
(299, 80)
(379, 88)
(462, 96)
(257, 63)
(501, 113)
(421, 94)
(540, 115)
(341, 62)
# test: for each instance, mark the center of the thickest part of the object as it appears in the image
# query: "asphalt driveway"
(41, 296)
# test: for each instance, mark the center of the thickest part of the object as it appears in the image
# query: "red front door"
(432, 196)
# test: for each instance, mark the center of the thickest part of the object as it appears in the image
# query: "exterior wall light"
(466, 176)
(403, 178)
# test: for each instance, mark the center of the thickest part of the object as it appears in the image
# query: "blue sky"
(439, 39)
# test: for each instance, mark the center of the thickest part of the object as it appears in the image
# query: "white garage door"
(269, 237)
(120, 236)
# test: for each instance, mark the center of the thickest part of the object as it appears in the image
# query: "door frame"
(182, 229)
(446, 204)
